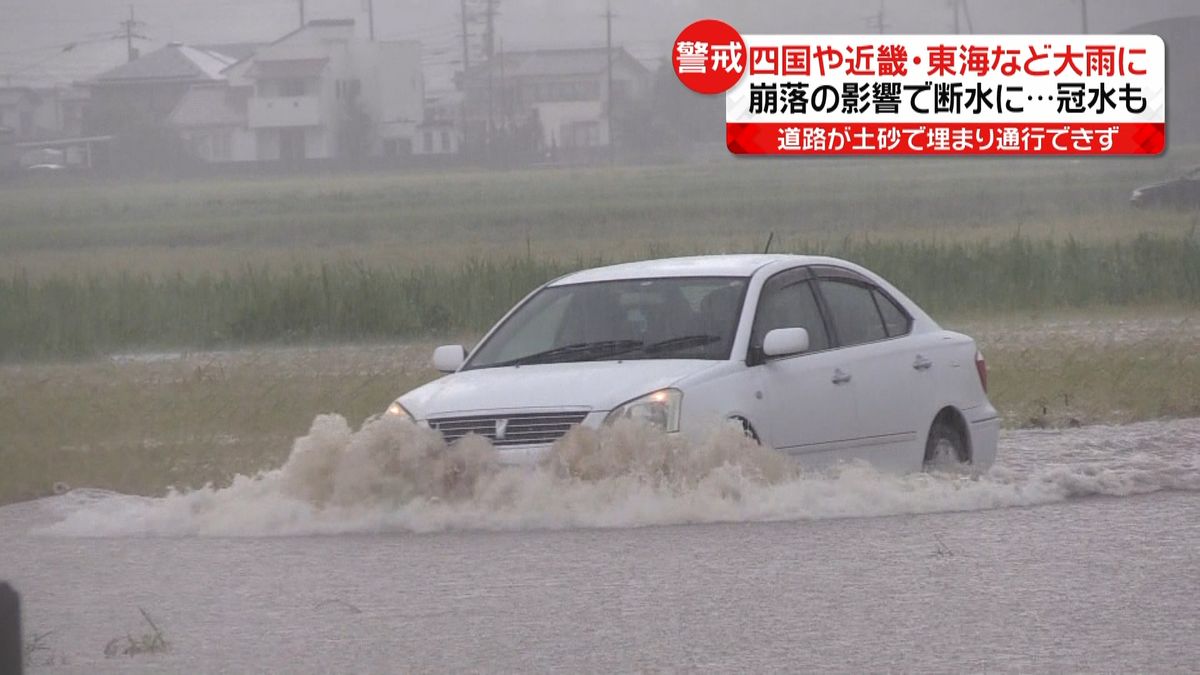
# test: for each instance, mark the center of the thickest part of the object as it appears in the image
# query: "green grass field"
(97, 268)
(406, 219)
(331, 265)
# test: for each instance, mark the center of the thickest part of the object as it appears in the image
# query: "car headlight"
(659, 408)
(395, 409)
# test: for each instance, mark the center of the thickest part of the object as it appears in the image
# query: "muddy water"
(378, 550)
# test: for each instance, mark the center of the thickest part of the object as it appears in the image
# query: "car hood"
(593, 385)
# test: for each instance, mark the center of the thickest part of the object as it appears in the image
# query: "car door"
(807, 398)
(893, 384)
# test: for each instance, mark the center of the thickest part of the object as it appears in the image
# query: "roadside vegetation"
(352, 302)
(96, 268)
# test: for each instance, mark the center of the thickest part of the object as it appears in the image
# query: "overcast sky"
(33, 32)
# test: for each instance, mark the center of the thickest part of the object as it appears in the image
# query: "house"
(564, 92)
(211, 121)
(17, 108)
(439, 132)
(319, 92)
(45, 125)
(61, 111)
(142, 93)
(43, 113)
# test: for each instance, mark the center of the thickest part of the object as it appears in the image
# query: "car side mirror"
(785, 342)
(448, 358)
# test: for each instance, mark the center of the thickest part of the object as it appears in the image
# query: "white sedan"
(815, 357)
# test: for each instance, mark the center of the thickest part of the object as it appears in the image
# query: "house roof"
(234, 50)
(322, 26)
(550, 62)
(208, 107)
(172, 63)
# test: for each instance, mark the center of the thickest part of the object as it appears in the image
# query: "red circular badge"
(709, 56)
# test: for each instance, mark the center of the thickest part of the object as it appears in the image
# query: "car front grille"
(519, 429)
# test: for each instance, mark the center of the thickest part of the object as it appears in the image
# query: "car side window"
(894, 319)
(789, 303)
(855, 316)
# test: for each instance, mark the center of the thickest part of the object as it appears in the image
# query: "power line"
(61, 49)
(98, 36)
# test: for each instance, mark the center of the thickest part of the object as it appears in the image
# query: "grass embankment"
(99, 267)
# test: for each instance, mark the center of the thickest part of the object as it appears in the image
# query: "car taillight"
(981, 368)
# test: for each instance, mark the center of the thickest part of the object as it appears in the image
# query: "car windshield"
(672, 318)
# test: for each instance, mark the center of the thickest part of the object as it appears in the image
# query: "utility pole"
(466, 62)
(960, 7)
(489, 39)
(608, 50)
(1083, 15)
(877, 20)
(371, 20)
(466, 65)
(503, 86)
(301, 4)
(130, 25)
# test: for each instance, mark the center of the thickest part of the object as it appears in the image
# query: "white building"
(565, 91)
(320, 92)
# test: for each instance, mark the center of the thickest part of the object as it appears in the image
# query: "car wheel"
(946, 449)
(747, 428)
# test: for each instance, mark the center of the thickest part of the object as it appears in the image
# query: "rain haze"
(393, 336)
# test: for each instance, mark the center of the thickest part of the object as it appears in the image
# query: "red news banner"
(933, 94)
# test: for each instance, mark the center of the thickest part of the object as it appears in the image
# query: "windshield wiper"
(579, 351)
(609, 349)
(680, 343)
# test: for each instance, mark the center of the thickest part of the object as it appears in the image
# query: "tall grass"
(219, 225)
(74, 315)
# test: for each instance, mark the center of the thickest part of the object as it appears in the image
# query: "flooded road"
(1080, 550)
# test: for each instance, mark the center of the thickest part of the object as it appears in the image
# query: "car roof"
(740, 265)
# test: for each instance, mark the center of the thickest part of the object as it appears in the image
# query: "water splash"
(393, 476)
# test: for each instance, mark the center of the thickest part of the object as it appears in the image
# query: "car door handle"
(840, 376)
(922, 363)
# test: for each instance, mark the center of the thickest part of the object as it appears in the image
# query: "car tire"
(747, 428)
(946, 449)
